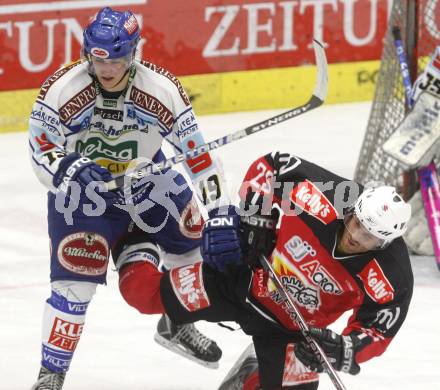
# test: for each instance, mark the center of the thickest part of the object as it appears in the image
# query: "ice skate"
(246, 365)
(48, 380)
(187, 341)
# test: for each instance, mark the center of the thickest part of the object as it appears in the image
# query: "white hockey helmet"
(383, 212)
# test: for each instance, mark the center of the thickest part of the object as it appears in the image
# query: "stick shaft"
(317, 98)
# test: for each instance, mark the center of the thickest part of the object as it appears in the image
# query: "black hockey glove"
(340, 350)
(257, 234)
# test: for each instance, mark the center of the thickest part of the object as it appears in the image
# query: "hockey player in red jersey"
(337, 248)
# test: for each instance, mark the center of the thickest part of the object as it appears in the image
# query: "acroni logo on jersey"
(303, 291)
(321, 277)
(299, 249)
(113, 157)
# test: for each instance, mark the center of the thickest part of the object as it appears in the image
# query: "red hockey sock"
(139, 284)
(252, 382)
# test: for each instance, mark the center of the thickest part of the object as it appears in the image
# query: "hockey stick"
(409, 181)
(304, 328)
(429, 185)
(317, 98)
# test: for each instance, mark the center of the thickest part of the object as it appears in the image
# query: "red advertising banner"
(193, 37)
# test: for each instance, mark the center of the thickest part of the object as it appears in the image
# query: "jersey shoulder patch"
(376, 284)
(54, 78)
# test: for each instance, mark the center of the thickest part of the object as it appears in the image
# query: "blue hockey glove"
(220, 241)
(340, 350)
(82, 170)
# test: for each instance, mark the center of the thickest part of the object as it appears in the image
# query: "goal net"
(419, 22)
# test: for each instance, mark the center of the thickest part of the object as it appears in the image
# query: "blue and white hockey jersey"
(71, 115)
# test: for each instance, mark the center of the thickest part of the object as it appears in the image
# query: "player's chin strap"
(317, 98)
(304, 328)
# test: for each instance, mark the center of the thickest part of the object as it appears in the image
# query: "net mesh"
(419, 22)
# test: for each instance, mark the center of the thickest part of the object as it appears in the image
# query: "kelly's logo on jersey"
(376, 284)
(187, 283)
(310, 199)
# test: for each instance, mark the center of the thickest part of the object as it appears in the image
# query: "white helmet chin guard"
(383, 212)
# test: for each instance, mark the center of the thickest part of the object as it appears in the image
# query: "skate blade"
(183, 352)
(248, 352)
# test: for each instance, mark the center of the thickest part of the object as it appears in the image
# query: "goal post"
(419, 23)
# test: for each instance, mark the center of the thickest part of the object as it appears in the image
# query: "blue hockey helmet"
(113, 34)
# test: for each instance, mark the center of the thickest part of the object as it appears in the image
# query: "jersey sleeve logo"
(187, 283)
(310, 199)
(57, 75)
(169, 76)
(376, 284)
(44, 143)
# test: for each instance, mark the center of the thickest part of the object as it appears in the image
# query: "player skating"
(336, 249)
(90, 120)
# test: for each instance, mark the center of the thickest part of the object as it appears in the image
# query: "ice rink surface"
(117, 351)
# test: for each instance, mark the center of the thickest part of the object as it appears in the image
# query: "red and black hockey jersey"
(376, 285)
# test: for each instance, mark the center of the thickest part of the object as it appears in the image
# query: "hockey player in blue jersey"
(92, 119)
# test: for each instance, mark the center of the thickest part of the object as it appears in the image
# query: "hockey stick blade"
(317, 99)
(304, 328)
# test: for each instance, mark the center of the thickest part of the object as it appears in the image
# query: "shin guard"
(63, 322)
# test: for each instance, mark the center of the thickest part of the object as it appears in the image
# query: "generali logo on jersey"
(187, 283)
(376, 283)
(78, 102)
(309, 198)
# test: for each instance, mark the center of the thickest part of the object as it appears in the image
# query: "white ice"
(117, 350)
